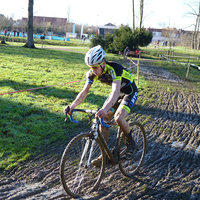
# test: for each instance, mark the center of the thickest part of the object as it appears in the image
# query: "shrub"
(123, 37)
(97, 40)
(142, 37)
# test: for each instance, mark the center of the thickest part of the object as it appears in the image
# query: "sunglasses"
(95, 66)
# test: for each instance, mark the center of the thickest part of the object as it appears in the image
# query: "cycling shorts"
(126, 101)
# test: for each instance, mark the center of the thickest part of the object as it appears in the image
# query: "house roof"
(109, 26)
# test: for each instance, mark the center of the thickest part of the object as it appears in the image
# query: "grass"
(72, 42)
(33, 120)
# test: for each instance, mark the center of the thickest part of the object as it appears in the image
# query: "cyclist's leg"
(108, 117)
(120, 116)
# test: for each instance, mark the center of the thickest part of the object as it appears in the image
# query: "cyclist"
(121, 99)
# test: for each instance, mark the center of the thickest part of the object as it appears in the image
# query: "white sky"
(157, 13)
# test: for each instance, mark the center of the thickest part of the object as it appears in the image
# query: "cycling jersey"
(112, 72)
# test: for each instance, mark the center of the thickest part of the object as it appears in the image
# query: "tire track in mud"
(171, 168)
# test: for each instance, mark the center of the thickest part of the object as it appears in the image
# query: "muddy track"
(171, 169)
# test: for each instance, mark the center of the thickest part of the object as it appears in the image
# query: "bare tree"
(133, 15)
(30, 42)
(194, 12)
(141, 12)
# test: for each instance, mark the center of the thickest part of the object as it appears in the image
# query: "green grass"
(31, 121)
(72, 42)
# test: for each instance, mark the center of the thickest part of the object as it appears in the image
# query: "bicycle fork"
(95, 135)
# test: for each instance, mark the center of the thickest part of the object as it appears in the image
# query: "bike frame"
(95, 132)
(113, 158)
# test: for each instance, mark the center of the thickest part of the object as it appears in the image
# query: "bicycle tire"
(78, 179)
(131, 167)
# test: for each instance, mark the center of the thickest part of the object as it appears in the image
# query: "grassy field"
(72, 42)
(31, 121)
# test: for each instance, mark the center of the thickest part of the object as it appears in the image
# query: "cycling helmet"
(95, 56)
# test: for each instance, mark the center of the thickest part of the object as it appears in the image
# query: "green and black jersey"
(114, 71)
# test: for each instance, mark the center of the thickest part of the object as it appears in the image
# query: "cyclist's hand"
(67, 110)
(101, 113)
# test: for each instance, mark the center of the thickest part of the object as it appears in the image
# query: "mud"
(171, 169)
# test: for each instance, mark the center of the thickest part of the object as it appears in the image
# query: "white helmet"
(95, 56)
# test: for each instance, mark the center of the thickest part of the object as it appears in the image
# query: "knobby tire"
(80, 180)
(131, 167)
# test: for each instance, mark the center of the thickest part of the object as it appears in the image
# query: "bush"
(123, 37)
(143, 37)
(109, 43)
(97, 40)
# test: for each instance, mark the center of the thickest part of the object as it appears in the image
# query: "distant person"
(14, 31)
(5, 32)
(137, 52)
(17, 33)
(126, 51)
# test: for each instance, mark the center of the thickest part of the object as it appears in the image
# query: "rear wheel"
(130, 167)
(78, 176)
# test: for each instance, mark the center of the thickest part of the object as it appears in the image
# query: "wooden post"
(138, 69)
(167, 55)
(188, 70)
(130, 63)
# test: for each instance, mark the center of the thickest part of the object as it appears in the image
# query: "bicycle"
(78, 176)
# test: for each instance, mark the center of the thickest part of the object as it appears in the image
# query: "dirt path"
(171, 169)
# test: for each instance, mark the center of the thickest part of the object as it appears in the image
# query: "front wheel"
(130, 167)
(78, 176)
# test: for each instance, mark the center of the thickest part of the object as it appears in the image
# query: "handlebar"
(92, 112)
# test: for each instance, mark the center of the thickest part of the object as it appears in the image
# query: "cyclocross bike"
(78, 176)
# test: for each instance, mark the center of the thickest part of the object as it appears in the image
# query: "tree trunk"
(30, 42)
(193, 35)
(133, 15)
(196, 34)
(141, 12)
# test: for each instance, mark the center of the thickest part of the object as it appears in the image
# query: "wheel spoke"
(78, 176)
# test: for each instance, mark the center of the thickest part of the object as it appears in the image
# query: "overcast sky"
(157, 13)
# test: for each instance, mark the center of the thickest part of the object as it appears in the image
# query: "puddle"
(197, 151)
(178, 144)
(181, 144)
